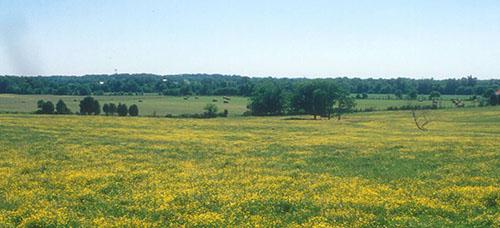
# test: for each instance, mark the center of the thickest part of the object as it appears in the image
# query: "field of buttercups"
(368, 169)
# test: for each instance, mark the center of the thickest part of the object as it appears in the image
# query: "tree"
(320, 103)
(492, 97)
(434, 95)
(185, 89)
(133, 110)
(48, 108)
(61, 108)
(97, 107)
(39, 104)
(122, 109)
(412, 95)
(45, 107)
(112, 109)
(84, 90)
(210, 110)
(314, 97)
(89, 106)
(105, 109)
(267, 99)
(343, 105)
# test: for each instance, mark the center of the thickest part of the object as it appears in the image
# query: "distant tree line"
(204, 84)
(318, 97)
(47, 107)
(88, 106)
(121, 109)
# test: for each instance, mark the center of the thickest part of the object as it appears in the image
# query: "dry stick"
(419, 126)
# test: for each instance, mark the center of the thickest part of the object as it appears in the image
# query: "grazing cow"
(458, 103)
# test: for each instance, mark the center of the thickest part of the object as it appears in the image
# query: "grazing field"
(162, 105)
(384, 104)
(369, 169)
(148, 104)
(379, 96)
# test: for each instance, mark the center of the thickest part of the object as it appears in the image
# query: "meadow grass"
(380, 105)
(380, 96)
(368, 169)
(148, 104)
(162, 105)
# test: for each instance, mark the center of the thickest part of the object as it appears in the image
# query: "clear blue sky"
(417, 38)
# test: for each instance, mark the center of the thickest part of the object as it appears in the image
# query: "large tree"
(97, 107)
(412, 95)
(122, 109)
(267, 99)
(105, 109)
(45, 107)
(315, 97)
(344, 104)
(112, 109)
(61, 108)
(133, 110)
(89, 106)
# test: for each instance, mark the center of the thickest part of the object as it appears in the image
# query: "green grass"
(150, 104)
(384, 104)
(162, 105)
(369, 169)
(379, 96)
(384, 101)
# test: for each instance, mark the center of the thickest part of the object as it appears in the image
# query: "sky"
(289, 38)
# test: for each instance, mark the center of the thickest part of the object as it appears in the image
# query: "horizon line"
(254, 76)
